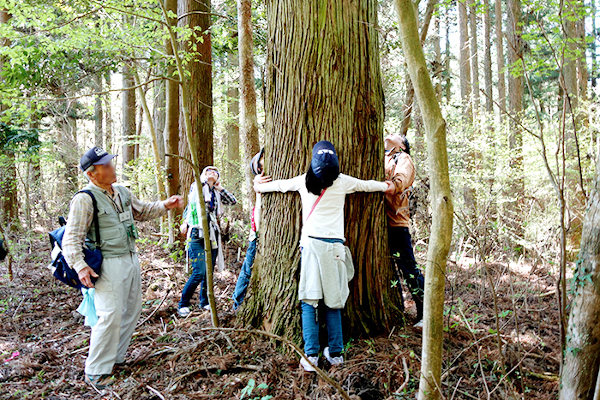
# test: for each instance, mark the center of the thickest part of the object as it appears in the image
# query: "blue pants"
(198, 277)
(310, 330)
(403, 257)
(244, 279)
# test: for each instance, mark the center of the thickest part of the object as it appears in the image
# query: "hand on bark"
(174, 202)
(260, 179)
(86, 275)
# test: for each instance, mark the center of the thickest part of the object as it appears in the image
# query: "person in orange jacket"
(399, 169)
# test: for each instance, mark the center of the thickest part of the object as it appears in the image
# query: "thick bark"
(441, 203)
(582, 353)
(171, 130)
(500, 58)
(463, 57)
(323, 83)
(248, 117)
(199, 90)
(128, 117)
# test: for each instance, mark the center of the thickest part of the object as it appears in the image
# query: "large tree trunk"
(441, 204)
(200, 90)
(129, 126)
(582, 354)
(171, 130)
(516, 185)
(248, 118)
(323, 83)
(463, 57)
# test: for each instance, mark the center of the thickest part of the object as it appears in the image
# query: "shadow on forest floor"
(172, 358)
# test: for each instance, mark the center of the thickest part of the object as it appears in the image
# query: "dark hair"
(406, 144)
(316, 185)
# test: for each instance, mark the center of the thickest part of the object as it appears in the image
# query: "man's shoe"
(100, 382)
(332, 360)
(419, 325)
(184, 311)
(304, 363)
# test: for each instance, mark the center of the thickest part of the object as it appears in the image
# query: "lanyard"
(119, 211)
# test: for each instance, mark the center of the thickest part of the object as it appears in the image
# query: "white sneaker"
(207, 307)
(332, 360)
(184, 311)
(419, 325)
(307, 367)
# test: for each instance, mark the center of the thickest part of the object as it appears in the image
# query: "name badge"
(125, 216)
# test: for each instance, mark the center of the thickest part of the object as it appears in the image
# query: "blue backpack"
(93, 258)
(3, 250)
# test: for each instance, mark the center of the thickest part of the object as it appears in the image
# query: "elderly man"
(399, 168)
(118, 290)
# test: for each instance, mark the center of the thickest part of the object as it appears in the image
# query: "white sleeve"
(282, 185)
(352, 185)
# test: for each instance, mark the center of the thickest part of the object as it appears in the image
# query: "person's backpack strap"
(314, 205)
(95, 221)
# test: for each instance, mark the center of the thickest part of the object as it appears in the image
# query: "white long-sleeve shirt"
(327, 219)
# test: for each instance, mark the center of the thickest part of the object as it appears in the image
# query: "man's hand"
(260, 179)
(183, 228)
(391, 189)
(219, 187)
(86, 275)
(173, 202)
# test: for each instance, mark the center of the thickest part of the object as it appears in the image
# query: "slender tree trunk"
(128, 131)
(500, 58)
(582, 354)
(593, 45)
(8, 169)
(515, 138)
(200, 92)
(409, 103)
(437, 73)
(171, 131)
(248, 117)
(448, 55)
(234, 175)
(158, 116)
(441, 203)
(473, 47)
(464, 66)
(487, 59)
(323, 82)
(98, 117)
(108, 139)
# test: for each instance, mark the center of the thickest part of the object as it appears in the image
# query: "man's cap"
(95, 156)
(325, 163)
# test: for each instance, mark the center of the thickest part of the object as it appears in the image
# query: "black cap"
(95, 156)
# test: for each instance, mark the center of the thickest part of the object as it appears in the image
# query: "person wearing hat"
(214, 196)
(326, 264)
(399, 169)
(256, 166)
(118, 290)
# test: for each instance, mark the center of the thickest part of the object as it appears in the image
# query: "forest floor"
(43, 342)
